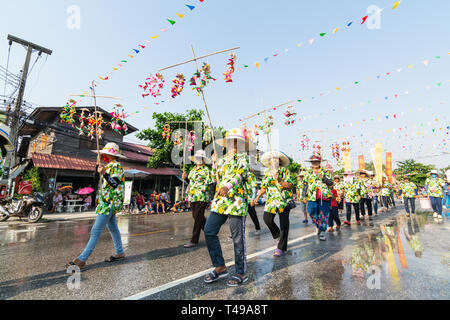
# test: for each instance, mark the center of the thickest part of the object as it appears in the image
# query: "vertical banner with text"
(389, 166)
(361, 163)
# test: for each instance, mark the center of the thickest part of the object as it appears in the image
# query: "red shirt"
(333, 199)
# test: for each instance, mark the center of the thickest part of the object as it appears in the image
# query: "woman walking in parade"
(366, 194)
(252, 192)
(435, 191)
(303, 205)
(409, 191)
(352, 189)
(385, 193)
(277, 184)
(110, 202)
(339, 186)
(317, 191)
(230, 203)
(199, 179)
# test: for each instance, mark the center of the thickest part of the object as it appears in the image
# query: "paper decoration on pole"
(336, 152)
(177, 138)
(68, 113)
(118, 119)
(191, 140)
(304, 143)
(389, 166)
(361, 163)
(267, 126)
(207, 135)
(178, 85)
(290, 114)
(379, 162)
(204, 75)
(166, 132)
(153, 85)
(228, 74)
(83, 119)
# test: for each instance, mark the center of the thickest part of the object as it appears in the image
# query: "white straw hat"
(111, 149)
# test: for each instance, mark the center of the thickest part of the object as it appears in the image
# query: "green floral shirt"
(352, 191)
(408, 189)
(366, 188)
(232, 173)
(110, 199)
(251, 185)
(314, 183)
(435, 187)
(277, 197)
(386, 189)
(339, 188)
(199, 181)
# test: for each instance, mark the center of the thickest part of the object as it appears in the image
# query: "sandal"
(214, 276)
(236, 281)
(278, 253)
(114, 259)
(78, 263)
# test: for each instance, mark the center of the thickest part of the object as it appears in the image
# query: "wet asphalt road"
(409, 256)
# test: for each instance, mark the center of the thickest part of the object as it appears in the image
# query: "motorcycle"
(29, 207)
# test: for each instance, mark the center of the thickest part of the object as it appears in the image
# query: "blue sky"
(416, 31)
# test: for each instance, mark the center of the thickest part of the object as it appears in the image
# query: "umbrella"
(65, 188)
(85, 191)
(133, 173)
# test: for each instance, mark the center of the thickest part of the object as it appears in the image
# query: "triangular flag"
(396, 5)
(115, 69)
(426, 62)
(335, 30)
(143, 47)
(299, 45)
(155, 37)
(171, 21)
(348, 25)
(265, 59)
(190, 7)
(124, 61)
(322, 34)
(311, 41)
(364, 19)
(136, 50)
(180, 15)
(257, 65)
(163, 30)
(131, 56)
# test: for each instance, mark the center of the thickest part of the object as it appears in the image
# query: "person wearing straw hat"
(303, 205)
(435, 191)
(352, 189)
(409, 191)
(277, 183)
(365, 193)
(199, 178)
(385, 192)
(317, 192)
(230, 202)
(252, 186)
(109, 203)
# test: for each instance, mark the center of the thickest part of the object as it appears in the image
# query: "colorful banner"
(361, 163)
(347, 161)
(389, 166)
(379, 162)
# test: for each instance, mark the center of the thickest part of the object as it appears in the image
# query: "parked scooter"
(29, 207)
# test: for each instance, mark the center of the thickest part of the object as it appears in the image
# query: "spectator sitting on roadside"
(88, 201)
(149, 208)
(57, 200)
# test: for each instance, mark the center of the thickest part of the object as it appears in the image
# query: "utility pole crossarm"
(30, 44)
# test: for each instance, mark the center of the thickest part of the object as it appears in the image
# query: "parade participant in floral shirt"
(110, 202)
(339, 186)
(277, 183)
(409, 191)
(352, 195)
(375, 191)
(199, 178)
(252, 192)
(435, 191)
(300, 197)
(385, 193)
(366, 194)
(230, 202)
(317, 191)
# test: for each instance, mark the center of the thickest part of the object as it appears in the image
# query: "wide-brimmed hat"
(363, 171)
(370, 173)
(237, 134)
(198, 154)
(284, 159)
(337, 177)
(111, 149)
(434, 172)
(315, 158)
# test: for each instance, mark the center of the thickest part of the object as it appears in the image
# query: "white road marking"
(172, 284)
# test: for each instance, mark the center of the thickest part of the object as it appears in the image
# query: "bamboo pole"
(94, 96)
(264, 110)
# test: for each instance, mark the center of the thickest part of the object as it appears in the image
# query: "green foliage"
(294, 167)
(419, 172)
(33, 176)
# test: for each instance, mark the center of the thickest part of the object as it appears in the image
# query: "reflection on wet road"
(395, 257)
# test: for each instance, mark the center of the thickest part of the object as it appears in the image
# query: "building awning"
(17, 170)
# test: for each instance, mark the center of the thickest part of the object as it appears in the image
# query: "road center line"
(172, 284)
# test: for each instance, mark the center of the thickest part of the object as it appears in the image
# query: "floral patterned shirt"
(386, 189)
(408, 189)
(435, 187)
(313, 183)
(366, 189)
(352, 191)
(233, 174)
(339, 188)
(110, 199)
(277, 197)
(251, 186)
(199, 180)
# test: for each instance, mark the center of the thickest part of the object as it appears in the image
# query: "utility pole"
(15, 116)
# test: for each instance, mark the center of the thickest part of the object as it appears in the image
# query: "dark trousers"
(198, 213)
(349, 210)
(254, 217)
(408, 202)
(284, 226)
(392, 199)
(365, 202)
(237, 228)
(334, 217)
(436, 204)
(385, 201)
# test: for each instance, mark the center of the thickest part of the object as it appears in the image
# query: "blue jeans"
(237, 227)
(319, 212)
(375, 204)
(100, 222)
(436, 204)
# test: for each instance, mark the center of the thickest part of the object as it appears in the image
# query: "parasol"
(85, 191)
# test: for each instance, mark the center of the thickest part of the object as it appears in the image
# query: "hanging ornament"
(267, 126)
(177, 138)
(304, 143)
(166, 132)
(204, 75)
(68, 113)
(99, 124)
(208, 134)
(346, 146)
(90, 126)
(229, 73)
(153, 85)
(178, 85)
(118, 119)
(290, 114)
(83, 119)
(191, 139)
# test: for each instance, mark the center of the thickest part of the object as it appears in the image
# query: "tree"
(294, 167)
(162, 147)
(33, 176)
(419, 172)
